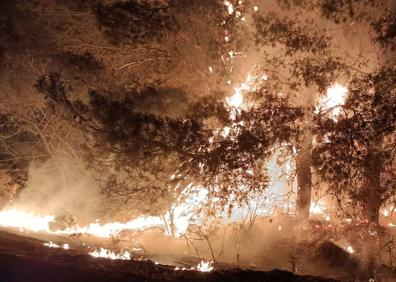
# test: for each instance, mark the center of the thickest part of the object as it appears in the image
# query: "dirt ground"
(26, 259)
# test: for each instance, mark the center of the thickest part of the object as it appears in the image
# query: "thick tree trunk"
(304, 175)
(372, 196)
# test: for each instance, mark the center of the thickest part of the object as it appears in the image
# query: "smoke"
(61, 186)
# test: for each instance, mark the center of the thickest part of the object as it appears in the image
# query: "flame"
(350, 249)
(236, 100)
(204, 266)
(27, 221)
(104, 253)
(51, 245)
(335, 97)
(317, 208)
(183, 212)
(230, 7)
(24, 220)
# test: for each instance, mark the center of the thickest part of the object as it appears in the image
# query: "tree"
(352, 154)
(128, 140)
(300, 50)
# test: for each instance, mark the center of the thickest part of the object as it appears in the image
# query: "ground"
(26, 259)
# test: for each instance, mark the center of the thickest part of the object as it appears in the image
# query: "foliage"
(135, 21)
(385, 28)
(272, 30)
(350, 154)
(137, 142)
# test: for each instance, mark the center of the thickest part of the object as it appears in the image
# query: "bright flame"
(335, 97)
(350, 250)
(51, 245)
(230, 7)
(204, 266)
(236, 100)
(104, 253)
(327, 217)
(20, 219)
(317, 208)
(183, 213)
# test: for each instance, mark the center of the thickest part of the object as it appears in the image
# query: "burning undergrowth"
(282, 157)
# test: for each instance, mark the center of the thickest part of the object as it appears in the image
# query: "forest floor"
(27, 259)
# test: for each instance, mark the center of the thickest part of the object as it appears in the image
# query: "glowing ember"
(203, 266)
(51, 245)
(335, 97)
(387, 211)
(349, 249)
(230, 7)
(180, 268)
(327, 217)
(225, 132)
(104, 253)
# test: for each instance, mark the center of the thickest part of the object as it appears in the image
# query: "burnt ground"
(26, 259)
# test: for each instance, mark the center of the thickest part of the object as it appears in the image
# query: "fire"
(113, 228)
(51, 245)
(317, 208)
(24, 220)
(204, 266)
(350, 249)
(230, 7)
(183, 213)
(104, 253)
(335, 97)
(236, 100)
(27, 221)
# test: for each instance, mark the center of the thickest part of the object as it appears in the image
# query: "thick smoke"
(61, 187)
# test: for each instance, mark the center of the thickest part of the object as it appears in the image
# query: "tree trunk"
(304, 175)
(372, 196)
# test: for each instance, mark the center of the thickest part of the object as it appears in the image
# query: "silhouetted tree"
(355, 153)
(129, 140)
